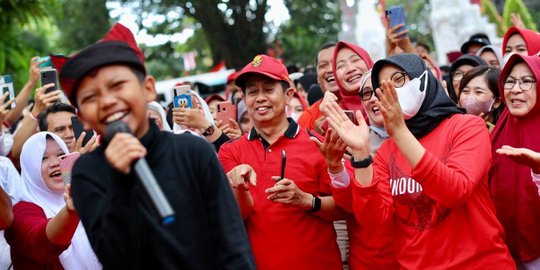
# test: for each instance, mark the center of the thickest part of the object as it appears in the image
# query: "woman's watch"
(364, 163)
(209, 130)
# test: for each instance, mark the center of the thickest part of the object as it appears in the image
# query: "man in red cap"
(280, 178)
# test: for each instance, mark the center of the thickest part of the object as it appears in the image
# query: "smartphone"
(283, 164)
(47, 63)
(182, 96)
(66, 165)
(6, 84)
(396, 15)
(49, 76)
(351, 116)
(226, 110)
(78, 129)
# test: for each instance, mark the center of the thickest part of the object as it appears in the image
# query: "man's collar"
(290, 133)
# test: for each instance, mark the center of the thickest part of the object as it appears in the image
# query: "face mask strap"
(425, 80)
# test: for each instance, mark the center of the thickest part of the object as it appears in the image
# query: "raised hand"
(390, 108)
(5, 107)
(333, 150)
(354, 136)
(522, 156)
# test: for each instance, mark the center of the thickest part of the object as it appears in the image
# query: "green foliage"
(518, 7)
(233, 28)
(312, 24)
(25, 28)
(490, 10)
(81, 24)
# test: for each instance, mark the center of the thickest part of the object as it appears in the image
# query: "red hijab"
(302, 100)
(350, 100)
(513, 191)
(531, 38)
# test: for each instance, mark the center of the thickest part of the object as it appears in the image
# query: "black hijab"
(466, 59)
(436, 107)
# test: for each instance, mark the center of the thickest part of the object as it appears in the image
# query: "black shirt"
(123, 228)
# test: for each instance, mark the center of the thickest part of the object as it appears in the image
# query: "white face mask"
(411, 97)
(475, 107)
(295, 116)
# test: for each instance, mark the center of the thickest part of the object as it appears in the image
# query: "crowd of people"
(354, 164)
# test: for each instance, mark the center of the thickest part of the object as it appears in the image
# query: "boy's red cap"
(264, 65)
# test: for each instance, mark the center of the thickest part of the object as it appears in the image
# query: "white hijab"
(177, 129)
(79, 254)
(154, 106)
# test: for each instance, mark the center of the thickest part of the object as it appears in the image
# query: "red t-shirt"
(369, 247)
(30, 248)
(444, 213)
(284, 236)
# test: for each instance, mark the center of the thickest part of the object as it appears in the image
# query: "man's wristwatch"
(209, 130)
(364, 163)
(315, 204)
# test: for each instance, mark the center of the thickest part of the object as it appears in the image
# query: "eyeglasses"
(366, 93)
(525, 83)
(398, 78)
(458, 75)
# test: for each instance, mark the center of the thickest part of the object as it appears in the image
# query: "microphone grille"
(116, 127)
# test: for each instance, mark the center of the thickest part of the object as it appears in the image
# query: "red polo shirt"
(284, 236)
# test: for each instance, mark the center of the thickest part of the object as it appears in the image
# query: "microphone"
(146, 177)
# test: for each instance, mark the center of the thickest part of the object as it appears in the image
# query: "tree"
(233, 28)
(24, 26)
(312, 23)
(81, 24)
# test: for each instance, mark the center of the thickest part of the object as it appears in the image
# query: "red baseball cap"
(264, 65)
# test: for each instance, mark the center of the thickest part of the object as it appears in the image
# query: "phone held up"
(48, 75)
(182, 96)
(78, 129)
(226, 111)
(66, 165)
(396, 15)
(6, 84)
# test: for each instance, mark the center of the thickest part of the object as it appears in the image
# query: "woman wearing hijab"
(479, 94)
(212, 102)
(492, 55)
(369, 247)
(463, 64)
(156, 112)
(514, 194)
(296, 106)
(520, 41)
(349, 64)
(422, 176)
(46, 232)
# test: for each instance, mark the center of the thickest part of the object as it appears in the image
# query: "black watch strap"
(364, 163)
(315, 204)
(209, 131)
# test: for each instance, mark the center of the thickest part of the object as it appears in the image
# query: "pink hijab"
(350, 100)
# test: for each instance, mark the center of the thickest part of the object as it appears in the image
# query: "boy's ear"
(149, 85)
